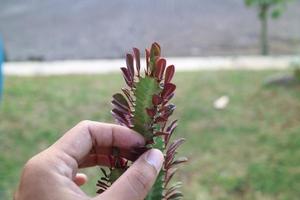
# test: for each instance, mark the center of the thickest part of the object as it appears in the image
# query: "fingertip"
(155, 158)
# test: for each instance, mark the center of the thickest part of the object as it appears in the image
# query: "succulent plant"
(145, 107)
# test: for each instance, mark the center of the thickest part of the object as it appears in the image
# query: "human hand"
(52, 174)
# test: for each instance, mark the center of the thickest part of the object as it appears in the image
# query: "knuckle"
(31, 164)
(84, 123)
(33, 167)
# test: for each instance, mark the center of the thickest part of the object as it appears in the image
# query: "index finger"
(88, 135)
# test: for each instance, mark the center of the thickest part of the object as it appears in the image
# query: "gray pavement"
(96, 29)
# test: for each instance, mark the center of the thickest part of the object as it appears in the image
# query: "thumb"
(136, 182)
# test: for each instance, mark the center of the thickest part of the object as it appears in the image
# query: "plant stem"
(264, 41)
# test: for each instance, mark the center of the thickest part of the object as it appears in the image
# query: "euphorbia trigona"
(145, 108)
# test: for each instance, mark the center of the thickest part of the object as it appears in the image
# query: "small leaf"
(156, 100)
(148, 71)
(170, 174)
(100, 191)
(104, 172)
(130, 67)
(168, 110)
(155, 50)
(160, 68)
(175, 196)
(160, 119)
(175, 145)
(126, 76)
(136, 52)
(102, 184)
(179, 161)
(127, 94)
(120, 117)
(159, 133)
(154, 55)
(121, 100)
(169, 73)
(170, 130)
(169, 88)
(151, 112)
(173, 188)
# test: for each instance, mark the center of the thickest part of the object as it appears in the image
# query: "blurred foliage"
(266, 8)
(275, 6)
(250, 150)
(295, 65)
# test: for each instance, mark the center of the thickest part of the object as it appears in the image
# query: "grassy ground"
(250, 150)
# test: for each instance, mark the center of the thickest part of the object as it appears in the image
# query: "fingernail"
(155, 158)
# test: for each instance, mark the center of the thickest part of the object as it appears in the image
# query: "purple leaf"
(126, 76)
(121, 117)
(170, 174)
(120, 107)
(179, 161)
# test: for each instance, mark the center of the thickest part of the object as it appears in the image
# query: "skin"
(52, 174)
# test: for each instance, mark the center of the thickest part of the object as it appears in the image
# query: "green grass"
(250, 150)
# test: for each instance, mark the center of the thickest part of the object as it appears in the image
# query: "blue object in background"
(1, 61)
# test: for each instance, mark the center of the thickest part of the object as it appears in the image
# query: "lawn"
(250, 150)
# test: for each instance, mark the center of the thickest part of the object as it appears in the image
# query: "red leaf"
(169, 88)
(160, 68)
(130, 67)
(175, 145)
(136, 52)
(126, 76)
(148, 61)
(151, 112)
(169, 73)
(156, 100)
(160, 119)
(159, 133)
(168, 110)
(172, 126)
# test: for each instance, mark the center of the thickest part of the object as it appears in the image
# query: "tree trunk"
(264, 41)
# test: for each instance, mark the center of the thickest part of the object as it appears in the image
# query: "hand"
(52, 174)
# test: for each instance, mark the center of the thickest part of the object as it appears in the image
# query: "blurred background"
(75, 29)
(239, 110)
